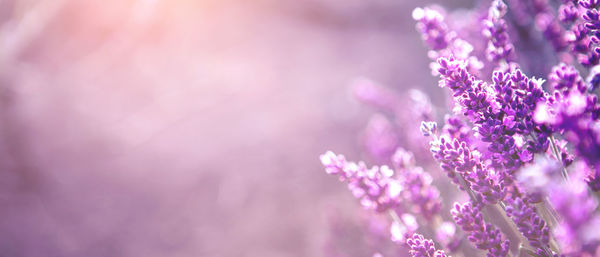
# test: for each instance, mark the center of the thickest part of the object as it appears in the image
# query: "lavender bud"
(428, 128)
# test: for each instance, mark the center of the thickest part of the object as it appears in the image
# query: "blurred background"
(188, 127)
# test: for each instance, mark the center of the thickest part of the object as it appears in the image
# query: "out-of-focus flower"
(375, 187)
(495, 30)
(381, 138)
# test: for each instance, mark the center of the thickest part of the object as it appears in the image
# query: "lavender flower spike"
(529, 223)
(565, 77)
(495, 30)
(374, 186)
(484, 235)
(458, 160)
(434, 31)
(421, 247)
(425, 198)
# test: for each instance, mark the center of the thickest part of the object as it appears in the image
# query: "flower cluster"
(484, 235)
(500, 112)
(443, 41)
(495, 30)
(421, 247)
(529, 223)
(523, 151)
(383, 188)
(463, 166)
(375, 187)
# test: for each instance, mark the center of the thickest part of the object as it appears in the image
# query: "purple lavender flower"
(592, 19)
(434, 31)
(568, 13)
(593, 79)
(484, 235)
(583, 36)
(455, 76)
(460, 162)
(417, 187)
(552, 30)
(576, 208)
(428, 128)
(457, 128)
(501, 112)
(564, 77)
(421, 247)
(374, 186)
(589, 4)
(495, 30)
(500, 125)
(442, 41)
(574, 114)
(580, 44)
(382, 189)
(529, 223)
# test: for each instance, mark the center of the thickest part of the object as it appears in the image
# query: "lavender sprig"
(421, 247)
(443, 41)
(457, 159)
(484, 235)
(417, 188)
(529, 223)
(375, 186)
(495, 30)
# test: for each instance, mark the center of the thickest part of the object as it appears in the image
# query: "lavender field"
(299, 128)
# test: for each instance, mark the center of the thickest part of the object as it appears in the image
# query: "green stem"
(395, 216)
(554, 149)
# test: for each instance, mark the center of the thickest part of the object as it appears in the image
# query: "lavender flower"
(442, 41)
(583, 36)
(577, 210)
(500, 113)
(417, 186)
(564, 77)
(574, 114)
(552, 30)
(428, 128)
(495, 30)
(461, 163)
(421, 247)
(457, 128)
(374, 186)
(434, 31)
(568, 13)
(589, 4)
(382, 189)
(484, 235)
(532, 226)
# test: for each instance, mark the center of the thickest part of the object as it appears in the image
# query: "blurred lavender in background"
(191, 128)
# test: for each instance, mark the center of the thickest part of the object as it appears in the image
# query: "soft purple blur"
(188, 128)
